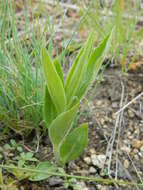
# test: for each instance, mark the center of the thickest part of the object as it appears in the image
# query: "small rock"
(126, 149)
(126, 164)
(98, 160)
(110, 120)
(99, 102)
(92, 170)
(140, 154)
(105, 126)
(114, 105)
(136, 157)
(137, 143)
(81, 184)
(126, 141)
(131, 114)
(104, 188)
(84, 172)
(102, 121)
(92, 151)
(10, 154)
(95, 160)
(54, 181)
(137, 131)
(90, 123)
(128, 133)
(131, 137)
(91, 188)
(135, 151)
(87, 160)
(99, 186)
(102, 158)
(113, 116)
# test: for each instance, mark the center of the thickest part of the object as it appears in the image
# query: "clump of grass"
(21, 79)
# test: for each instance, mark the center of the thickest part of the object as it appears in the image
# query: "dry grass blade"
(129, 103)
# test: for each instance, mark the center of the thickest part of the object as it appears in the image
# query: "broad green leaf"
(45, 167)
(77, 71)
(50, 112)
(60, 127)
(74, 144)
(54, 83)
(94, 65)
(72, 69)
(59, 69)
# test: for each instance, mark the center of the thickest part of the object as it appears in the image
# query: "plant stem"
(57, 156)
(99, 180)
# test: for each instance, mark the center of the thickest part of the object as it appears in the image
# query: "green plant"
(23, 158)
(124, 16)
(7, 183)
(21, 79)
(62, 98)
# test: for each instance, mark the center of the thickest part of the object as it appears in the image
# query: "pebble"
(126, 164)
(99, 103)
(92, 151)
(102, 121)
(98, 160)
(90, 123)
(87, 160)
(128, 133)
(131, 137)
(131, 114)
(137, 143)
(114, 105)
(102, 158)
(113, 116)
(135, 151)
(92, 170)
(105, 126)
(95, 160)
(110, 120)
(101, 187)
(136, 157)
(10, 154)
(81, 184)
(140, 154)
(54, 181)
(126, 141)
(126, 149)
(137, 131)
